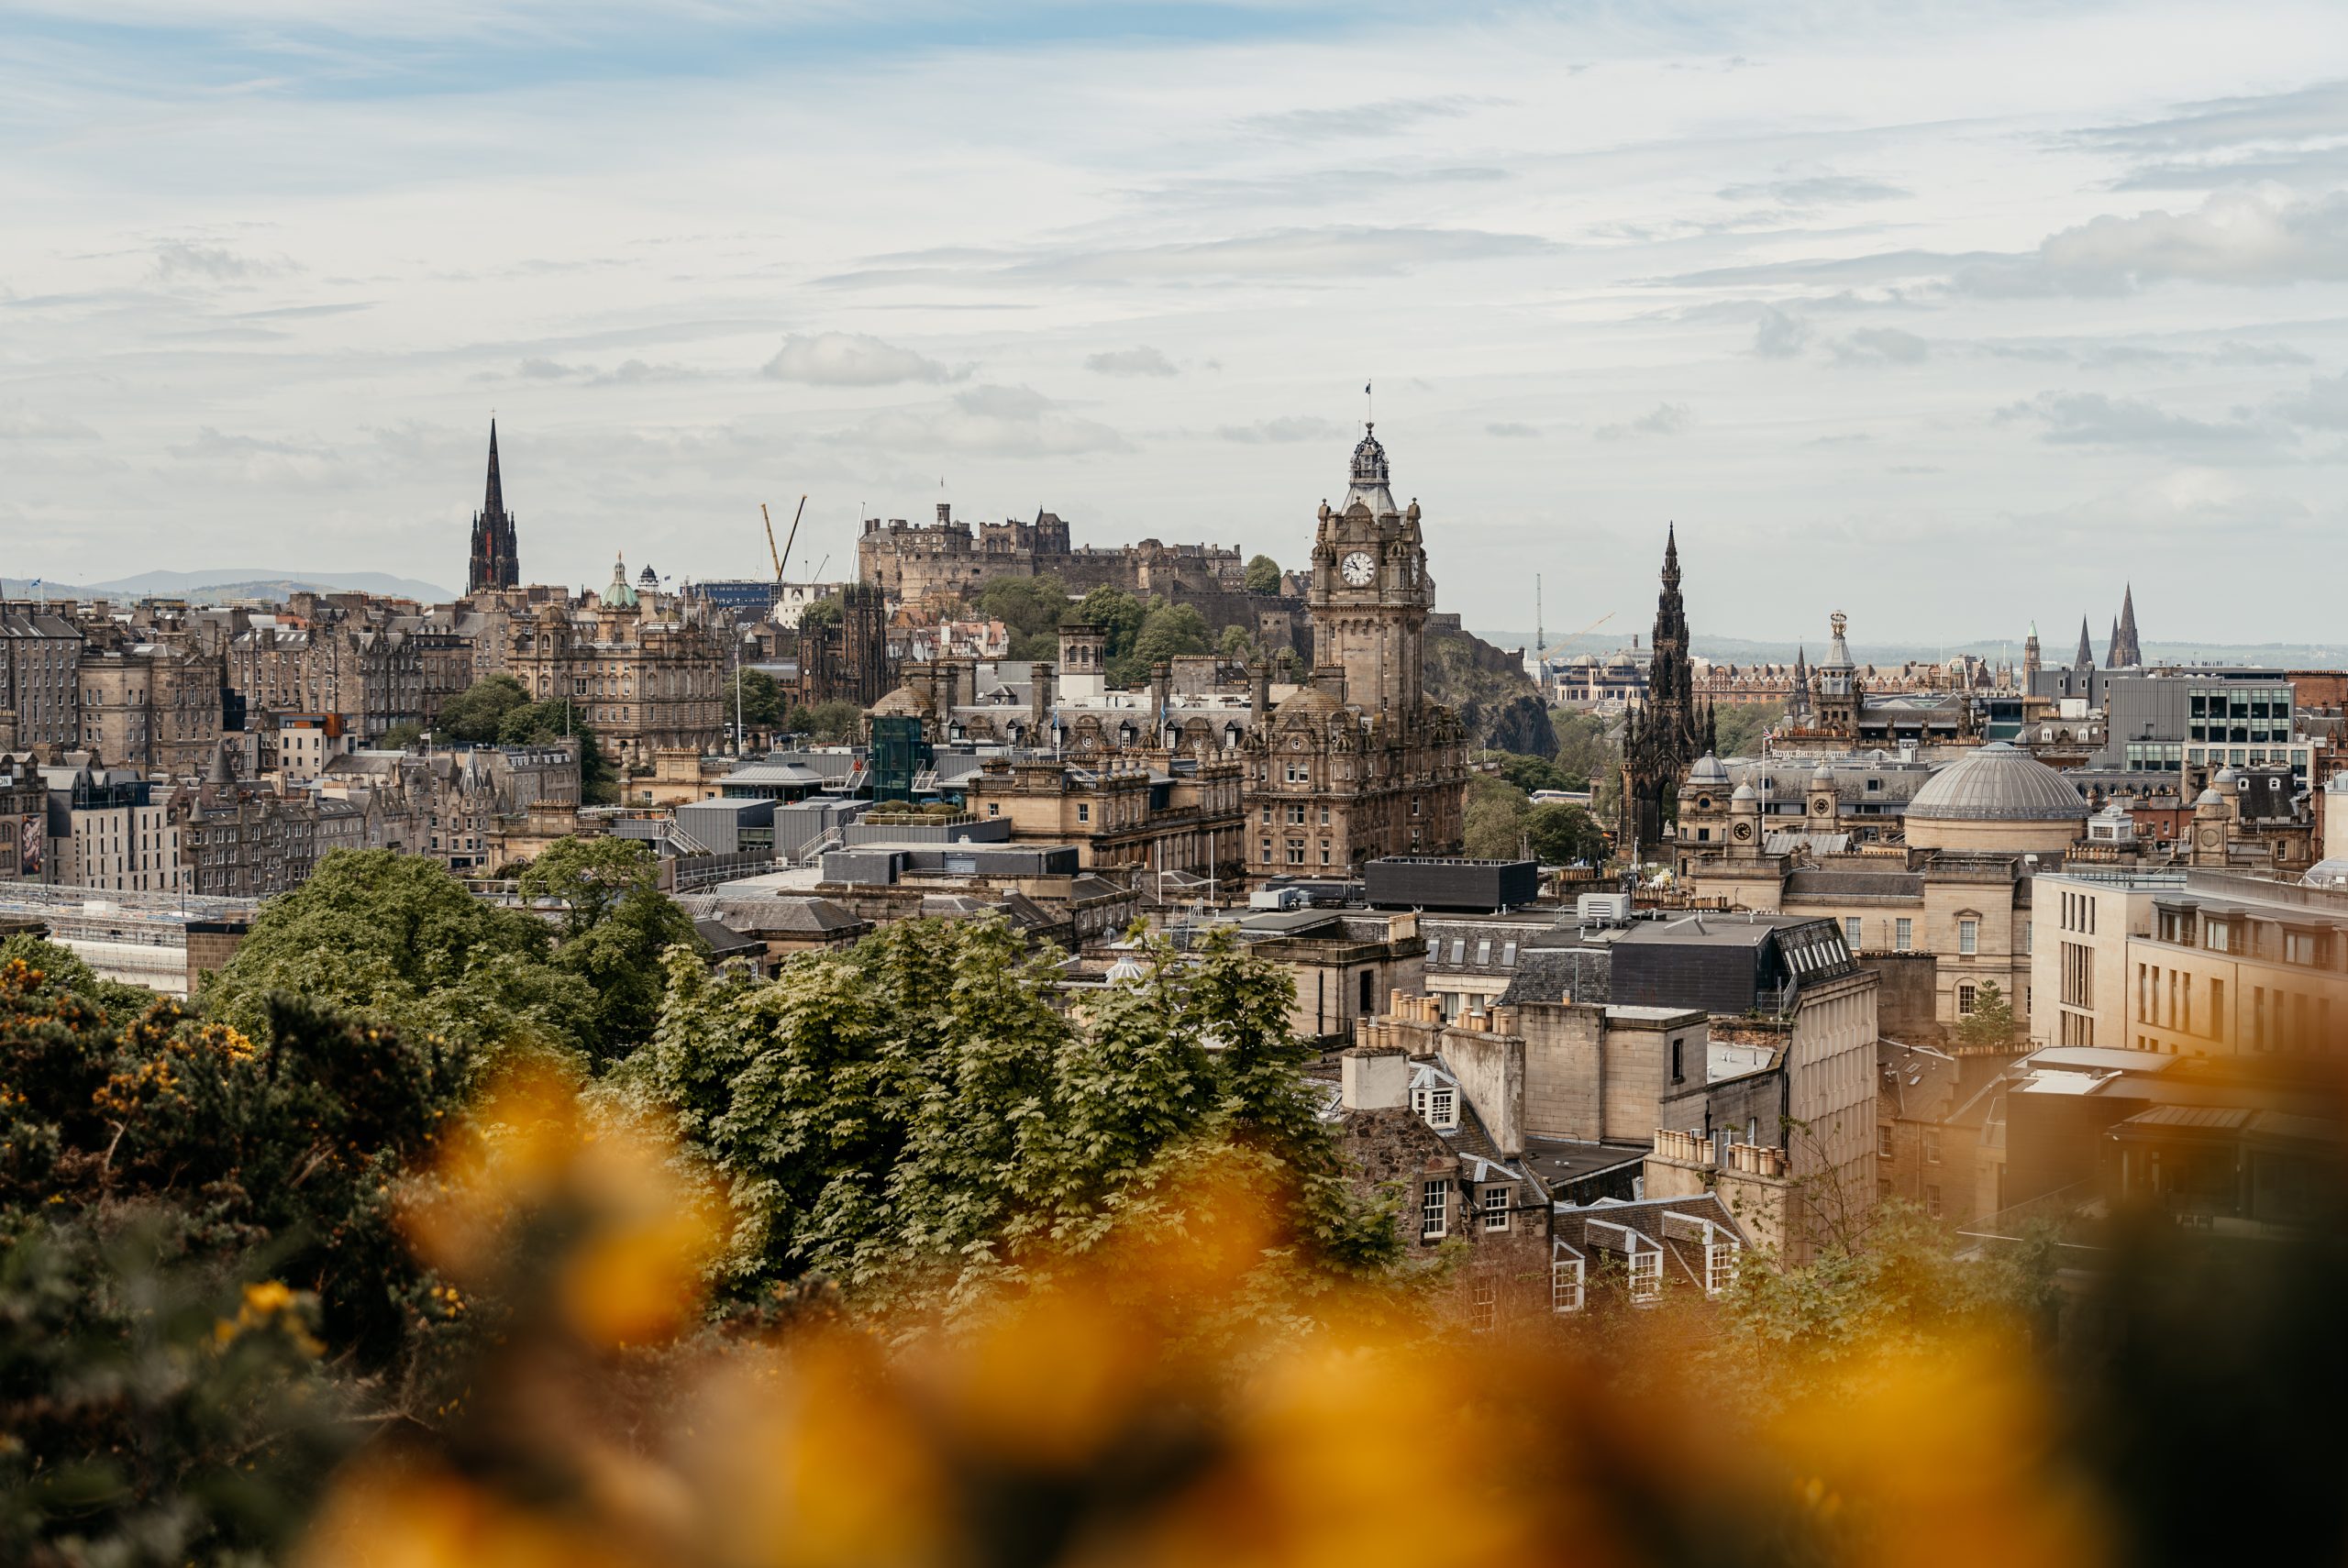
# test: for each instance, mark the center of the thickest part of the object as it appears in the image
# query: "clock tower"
(1370, 593)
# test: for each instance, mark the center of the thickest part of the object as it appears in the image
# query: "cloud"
(1779, 335)
(1880, 345)
(2187, 503)
(1664, 419)
(1293, 427)
(851, 360)
(2290, 137)
(1386, 117)
(21, 423)
(1137, 361)
(1819, 190)
(2092, 419)
(1853, 438)
(188, 260)
(2323, 406)
(996, 421)
(1511, 431)
(1313, 254)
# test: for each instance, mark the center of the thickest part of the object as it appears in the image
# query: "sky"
(1949, 316)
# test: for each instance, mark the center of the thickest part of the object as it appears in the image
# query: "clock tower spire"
(1370, 593)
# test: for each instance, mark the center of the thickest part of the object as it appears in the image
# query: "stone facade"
(41, 658)
(645, 669)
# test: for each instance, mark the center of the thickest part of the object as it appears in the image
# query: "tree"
(402, 736)
(1263, 575)
(827, 723)
(588, 875)
(1117, 612)
(1737, 729)
(1586, 746)
(474, 716)
(1532, 773)
(1166, 632)
(1560, 834)
(549, 723)
(920, 1114)
(1031, 609)
(394, 939)
(1522, 725)
(1494, 823)
(821, 613)
(1990, 1025)
(760, 700)
(1238, 645)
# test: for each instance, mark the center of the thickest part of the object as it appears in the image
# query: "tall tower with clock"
(1370, 592)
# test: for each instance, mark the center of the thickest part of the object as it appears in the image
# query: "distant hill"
(234, 582)
(2054, 651)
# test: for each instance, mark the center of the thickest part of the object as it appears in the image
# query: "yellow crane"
(788, 539)
(1544, 653)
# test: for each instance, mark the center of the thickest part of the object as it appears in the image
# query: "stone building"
(1669, 731)
(1186, 816)
(949, 559)
(41, 658)
(647, 670)
(1359, 764)
(152, 706)
(1952, 880)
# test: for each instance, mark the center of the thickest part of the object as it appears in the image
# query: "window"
(1883, 1141)
(1933, 1202)
(1967, 996)
(1720, 1264)
(1484, 1297)
(1296, 816)
(1483, 950)
(1903, 935)
(1931, 1145)
(2025, 936)
(1296, 851)
(1679, 1074)
(1969, 937)
(2218, 935)
(1083, 811)
(1443, 1108)
(1496, 1207)
(1851, 932)
(1565, 1285)
(1646, 1276)
(1434, 1198)
(1267, 849)
(1458, 950)
(1508, 954)
(2300, 947)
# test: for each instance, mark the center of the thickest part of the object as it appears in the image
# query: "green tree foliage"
(760, 700)
(1031, 609)
(1167, 630)
(1117, 612)
(919, 1111)
(1990, 1025)
(1494, 824)
(1587, 745)
(476, 715)
(1522, 725)
(400, 737)
(826, 722)
(548, 724)
(1738, 728)
(821, 613)
(1561, 834)
(1263, 575)
(1532, 773)
(395, 939)
(618, 924)
(1236, 644)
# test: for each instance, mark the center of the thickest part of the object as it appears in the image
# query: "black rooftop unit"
(1725, 962)
(1443, 882)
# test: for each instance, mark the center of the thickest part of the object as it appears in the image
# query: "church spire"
(2126, 652)
(493, 501)
(2085, 658)
(494, 564)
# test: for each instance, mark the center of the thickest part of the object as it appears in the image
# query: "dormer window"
(1496, 1207)
(1646, 1277)
(1565, 1282)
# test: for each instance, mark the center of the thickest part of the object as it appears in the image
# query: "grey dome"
(1707, 770)
(2227, 778)
(1998, 784)
(1745, 793)
(1822, 774)
(2209, 797)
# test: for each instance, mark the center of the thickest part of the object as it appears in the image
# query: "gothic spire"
(1671, 555)
(493, 501)
(2085, 658)
(2127, 653)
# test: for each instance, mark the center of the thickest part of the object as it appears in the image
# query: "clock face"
(1359, 568)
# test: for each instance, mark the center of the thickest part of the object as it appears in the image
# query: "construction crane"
(788, 539)
(1542, 653)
